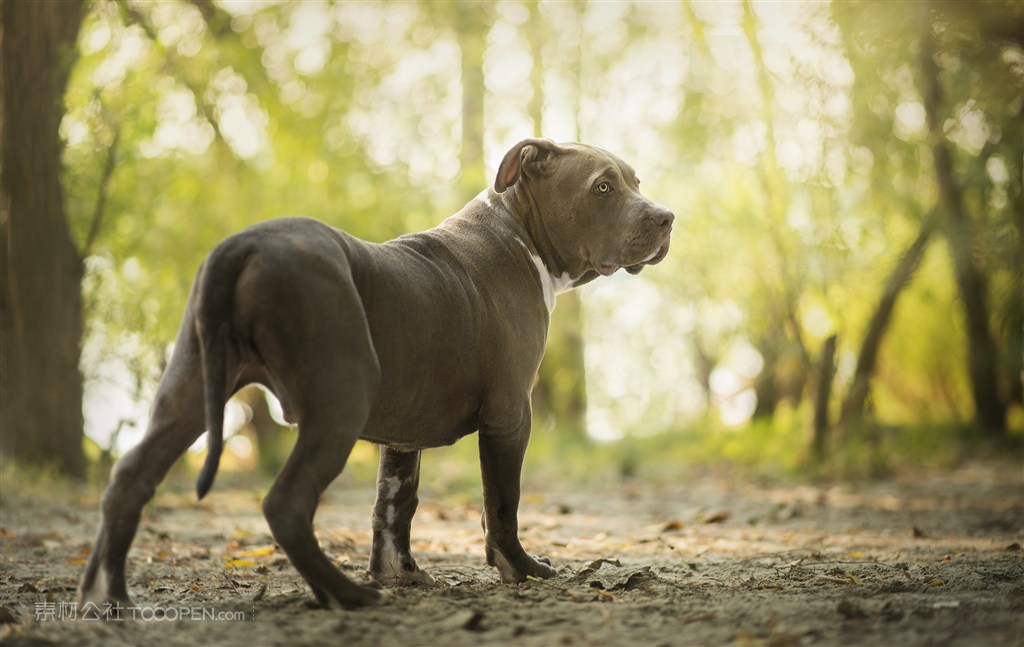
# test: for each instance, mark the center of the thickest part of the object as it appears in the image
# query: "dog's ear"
(529, 157)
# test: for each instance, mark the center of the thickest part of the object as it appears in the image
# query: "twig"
(233, 585)
(101, 198)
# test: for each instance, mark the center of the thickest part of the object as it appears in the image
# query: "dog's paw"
(417, 577)
(517, 571)
(355, 597)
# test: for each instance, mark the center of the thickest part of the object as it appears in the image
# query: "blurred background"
(844, 291)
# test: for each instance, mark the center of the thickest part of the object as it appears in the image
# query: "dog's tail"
(213, 324)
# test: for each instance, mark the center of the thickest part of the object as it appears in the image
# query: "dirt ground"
(708, 560)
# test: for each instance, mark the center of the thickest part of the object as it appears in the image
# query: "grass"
(778, 450)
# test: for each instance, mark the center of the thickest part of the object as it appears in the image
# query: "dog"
(410, 344)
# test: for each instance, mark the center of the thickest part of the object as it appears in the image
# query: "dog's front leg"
(502, 448)
(391, 561)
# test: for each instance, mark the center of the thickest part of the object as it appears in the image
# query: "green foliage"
(791, 142)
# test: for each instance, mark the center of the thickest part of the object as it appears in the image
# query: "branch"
(853, 406)
(217, 20)
(173, 66)
(101, 198)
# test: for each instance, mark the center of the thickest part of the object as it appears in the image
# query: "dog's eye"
(604, 188)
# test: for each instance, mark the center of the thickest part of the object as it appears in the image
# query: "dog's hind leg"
(329, 370)
(176, 421)
(318, 457)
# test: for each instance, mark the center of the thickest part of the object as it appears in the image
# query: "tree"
(40, 296)
(561, 389)
(471, 24)
(951, 67)
(867, 357)
(971, 279)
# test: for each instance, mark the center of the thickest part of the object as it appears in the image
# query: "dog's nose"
(661, 217)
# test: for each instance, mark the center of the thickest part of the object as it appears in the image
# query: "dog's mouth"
(655, 257)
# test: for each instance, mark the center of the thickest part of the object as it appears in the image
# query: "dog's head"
(584, 210)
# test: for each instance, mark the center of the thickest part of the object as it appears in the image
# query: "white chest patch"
(550, 284)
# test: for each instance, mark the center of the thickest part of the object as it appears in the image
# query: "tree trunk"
(853, 404)
(471, 31)
(273, 440)
(561, 390)
(822, 395)
(983, 356)
(766, 384)
(40, 295)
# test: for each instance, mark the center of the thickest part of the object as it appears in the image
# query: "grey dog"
(410, 344)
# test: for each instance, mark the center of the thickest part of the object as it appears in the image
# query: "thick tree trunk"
(40, 298)
(983, 356)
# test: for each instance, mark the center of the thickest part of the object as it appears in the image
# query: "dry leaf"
(675, 524)
(604, 595)
(240, 563)
(259, 552)
(717, 517)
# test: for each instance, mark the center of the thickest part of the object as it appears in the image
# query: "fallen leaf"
(596, 564)
(717, 517)
(259, 552)
(240, 563)
(604, 595)
(934, 581)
